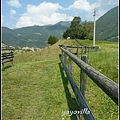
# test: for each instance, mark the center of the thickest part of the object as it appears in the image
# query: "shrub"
(52, 40)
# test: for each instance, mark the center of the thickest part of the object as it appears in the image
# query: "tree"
(52, 40)
(89, 26)
(75, 22)
(78, 31)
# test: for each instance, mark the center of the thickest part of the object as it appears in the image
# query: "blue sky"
(22, 13)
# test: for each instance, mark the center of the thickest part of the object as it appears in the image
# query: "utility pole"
(94, 26)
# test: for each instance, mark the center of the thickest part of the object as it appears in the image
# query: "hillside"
(33, 36)
(37, 36)
(107, 26)
(36, 86)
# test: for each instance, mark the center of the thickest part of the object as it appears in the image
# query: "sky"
(22, 13)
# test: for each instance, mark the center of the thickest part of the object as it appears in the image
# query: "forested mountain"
(107, 26)
(33, 36)
(37, 36)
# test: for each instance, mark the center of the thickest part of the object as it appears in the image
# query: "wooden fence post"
(77, 51)
(65, 56)
(70, 62)
(12, 57)
(62, 53)
(82, 49)
(83, 77)
(83, 81)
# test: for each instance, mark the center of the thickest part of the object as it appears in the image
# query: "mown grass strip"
(33, 90)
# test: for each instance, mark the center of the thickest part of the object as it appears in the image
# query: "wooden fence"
(82, 49)
(106, 84)
(7, 55)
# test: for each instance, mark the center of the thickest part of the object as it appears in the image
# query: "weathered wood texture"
(11, 49)
(70, 62)
(78, 94)
(106, 84)
(7, 56)
(83, 49)
(83, 77)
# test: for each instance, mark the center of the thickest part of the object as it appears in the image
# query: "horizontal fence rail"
(84, 49)
(8, 49)
(7, 55)
(106, 84)
(78, 94)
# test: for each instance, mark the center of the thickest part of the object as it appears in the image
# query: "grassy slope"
(34, 88)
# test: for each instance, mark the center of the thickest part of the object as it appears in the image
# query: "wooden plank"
(7, 56)
(4, 55)
(7, 60)
(7, 53)
(8, 49)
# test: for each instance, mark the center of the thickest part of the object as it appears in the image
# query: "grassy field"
(36, 88)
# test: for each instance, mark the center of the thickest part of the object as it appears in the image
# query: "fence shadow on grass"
(72, 103)
(6, 67)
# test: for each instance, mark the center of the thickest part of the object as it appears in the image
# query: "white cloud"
(44, 13)
(50, 13)
(83, 8)
(82, 5)
(86, 8)
(12, 12)
(105, 5)
(14, 3)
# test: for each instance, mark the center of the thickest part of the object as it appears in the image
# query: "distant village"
(31, 48)
(23, 48)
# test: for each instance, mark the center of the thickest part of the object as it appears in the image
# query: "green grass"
(106, 61)
(36, 87)
(33, 90)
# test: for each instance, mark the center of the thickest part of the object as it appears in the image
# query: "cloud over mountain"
(40, 12)
(44, 13)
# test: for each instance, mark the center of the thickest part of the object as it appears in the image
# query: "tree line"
(76, 31)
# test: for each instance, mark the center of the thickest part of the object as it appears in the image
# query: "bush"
(52, 40)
